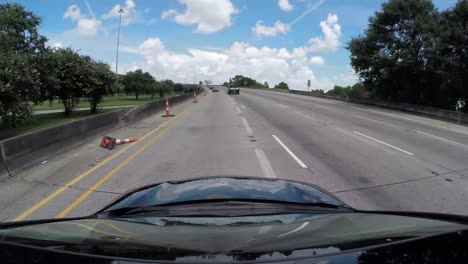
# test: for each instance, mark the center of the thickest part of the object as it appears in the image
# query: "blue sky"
(269, 40)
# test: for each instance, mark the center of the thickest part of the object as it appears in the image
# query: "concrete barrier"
(447, 115)
(21, 151)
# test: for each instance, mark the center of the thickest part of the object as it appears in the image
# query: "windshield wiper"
(220, 207)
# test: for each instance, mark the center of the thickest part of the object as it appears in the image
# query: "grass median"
(118, 100)
(41, 121)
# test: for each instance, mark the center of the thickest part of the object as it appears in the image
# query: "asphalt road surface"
(371, 158)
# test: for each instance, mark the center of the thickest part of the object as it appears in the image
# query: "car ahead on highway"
(215, 90)
(236, 220)
(233, 90)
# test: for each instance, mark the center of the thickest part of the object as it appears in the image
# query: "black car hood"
(224, 187)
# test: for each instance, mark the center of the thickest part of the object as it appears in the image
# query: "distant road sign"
(308, 83)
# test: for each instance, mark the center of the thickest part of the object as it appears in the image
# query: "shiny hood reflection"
(229, 188)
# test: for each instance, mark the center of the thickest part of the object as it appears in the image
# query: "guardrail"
(21, 151)
(452, 116)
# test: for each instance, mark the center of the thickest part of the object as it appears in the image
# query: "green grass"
(38, 122)
(120, 100)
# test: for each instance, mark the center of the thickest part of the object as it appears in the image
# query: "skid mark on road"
(321, 106)
(397, 183)
(444, 139)
(411, 119)
(375, 121)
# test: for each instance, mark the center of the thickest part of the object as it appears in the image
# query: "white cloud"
(73, 13)
(261, 63)
(330, 40)
(285, 5)
(129, 16)
(260, 30)
(57, 45)
(208, 15)
(87, 27)
(168, 13)
(128, 49)
(317, 60)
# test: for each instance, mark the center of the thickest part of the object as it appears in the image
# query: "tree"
(101, 81)
(395, 56)
(19, 31)
(178, 88)
(339, 91)
(19, 85)
(137, 82)
(453, 59)
(282, 85)
(20, 45)
(168, 87)
(72, 77)
(242, 81)
(266, 85)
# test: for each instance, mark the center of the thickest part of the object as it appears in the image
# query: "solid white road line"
(321, 106)
(381, 142)
(246, 125)
(295, 230)
(238, 110)
(243, 107)
(290, 152)
(265, 164)
(444, 139)
(373, 120)
(282, 105)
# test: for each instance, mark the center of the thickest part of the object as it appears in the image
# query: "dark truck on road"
(233, 90)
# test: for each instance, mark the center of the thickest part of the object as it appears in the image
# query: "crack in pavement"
(70, 187)
(400, 182)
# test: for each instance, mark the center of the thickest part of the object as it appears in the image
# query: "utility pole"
(118, 40)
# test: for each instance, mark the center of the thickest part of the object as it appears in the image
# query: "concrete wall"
(452, 116)
(25, 150)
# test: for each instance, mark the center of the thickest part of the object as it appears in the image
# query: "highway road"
(371, 158)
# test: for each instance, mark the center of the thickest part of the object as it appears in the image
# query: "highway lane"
(380, 159)
(209, 138)
(371, 158)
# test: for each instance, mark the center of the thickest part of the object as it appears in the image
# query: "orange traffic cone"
(121, 141)
(167, 109)
(110, 142)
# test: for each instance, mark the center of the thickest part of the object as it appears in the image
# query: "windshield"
(121, 108)
(188, 239)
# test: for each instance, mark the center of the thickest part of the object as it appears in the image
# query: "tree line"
(413, 53)
(243, 81)
(32, 73)
(138, 82)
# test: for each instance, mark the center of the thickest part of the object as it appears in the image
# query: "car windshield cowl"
(229, 207)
